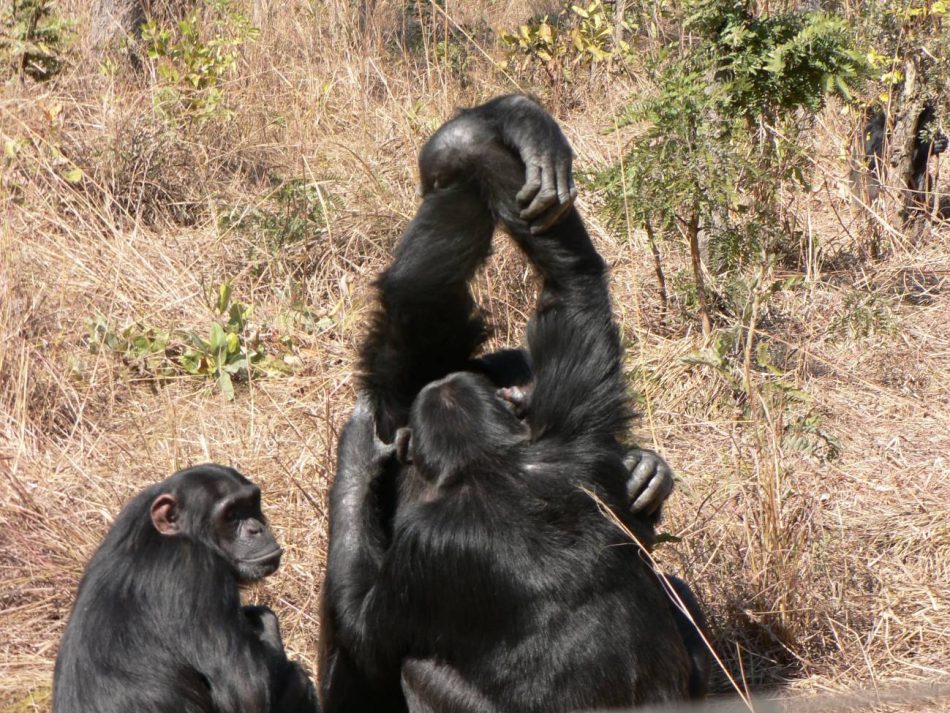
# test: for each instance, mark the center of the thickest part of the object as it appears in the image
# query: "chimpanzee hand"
(524, 126)
(940, 143)
(548, 191)
(362, 453)
(651, 479)
(650, 482)
(264, 623)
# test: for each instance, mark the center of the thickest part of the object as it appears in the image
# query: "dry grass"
(818, 575)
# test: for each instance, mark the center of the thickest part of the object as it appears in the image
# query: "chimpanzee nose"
(255, 527)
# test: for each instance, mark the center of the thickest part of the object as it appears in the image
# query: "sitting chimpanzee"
(473, 570)
(868, 170)
(158, 624)
(929, 141)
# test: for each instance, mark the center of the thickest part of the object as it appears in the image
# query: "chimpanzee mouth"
(274, 555)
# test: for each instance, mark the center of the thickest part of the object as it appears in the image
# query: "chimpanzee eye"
(229, 514)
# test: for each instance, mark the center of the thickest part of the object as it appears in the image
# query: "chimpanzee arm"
(291, 688)
(573, 342)
(237, 671)
(426, 325)
(357, 541)
(650, 479)
(431, 687)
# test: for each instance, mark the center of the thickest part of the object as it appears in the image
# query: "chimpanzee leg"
(693, 634)
(431, 687)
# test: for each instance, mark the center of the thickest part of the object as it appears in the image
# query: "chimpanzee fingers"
(359, 442)
(657, 489)
(554, 198)
(566, 192)
(532, 183)
(516, 397)
(545, 197)
(550, 219)
(650, 481)
(641, 471)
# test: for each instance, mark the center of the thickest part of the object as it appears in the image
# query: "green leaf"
(217, 341)
(237, 317)
(191, 361)
(226, 386)
(235, 367)
(224, 297)
(73, 175)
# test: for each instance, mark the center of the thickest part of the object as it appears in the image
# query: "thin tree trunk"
(657, 266)
(692, 234)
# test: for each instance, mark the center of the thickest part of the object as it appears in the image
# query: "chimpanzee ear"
(164, 514)
(403, 440)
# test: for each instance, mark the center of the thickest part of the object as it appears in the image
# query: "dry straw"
(819, 576)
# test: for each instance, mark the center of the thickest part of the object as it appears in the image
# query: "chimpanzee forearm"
(426, 324)
(242, 680)
(357, 539)
(574, 344)
(291, 688)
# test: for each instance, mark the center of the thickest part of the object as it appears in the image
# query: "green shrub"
(194, 58)
(32, 38)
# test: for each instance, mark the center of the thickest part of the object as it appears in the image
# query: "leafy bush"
(578, 36)
(721, 128)
(194, 58)
(32, 38)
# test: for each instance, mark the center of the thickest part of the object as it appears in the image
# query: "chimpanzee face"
(245, 537)
(221, 506)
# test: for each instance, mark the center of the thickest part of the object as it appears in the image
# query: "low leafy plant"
(580, 35)
(865, 314)
(227, 352)
(194, 58)
(292, 212)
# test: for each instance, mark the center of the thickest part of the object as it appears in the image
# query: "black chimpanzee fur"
(469, 567)
(158, 624)
(928, 142)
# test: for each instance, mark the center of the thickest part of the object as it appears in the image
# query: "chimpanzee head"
(459, 423)
(221, 508)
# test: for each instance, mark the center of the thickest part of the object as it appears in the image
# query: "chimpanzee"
(158, 623)
(868, 169)
(928, 141)
(469, 565)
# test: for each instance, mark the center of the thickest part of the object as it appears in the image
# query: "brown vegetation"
(820, 573)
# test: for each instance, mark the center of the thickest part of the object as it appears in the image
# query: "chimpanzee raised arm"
(493, 576)
(426, 325)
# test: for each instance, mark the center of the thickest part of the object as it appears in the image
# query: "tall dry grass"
(819, 575)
